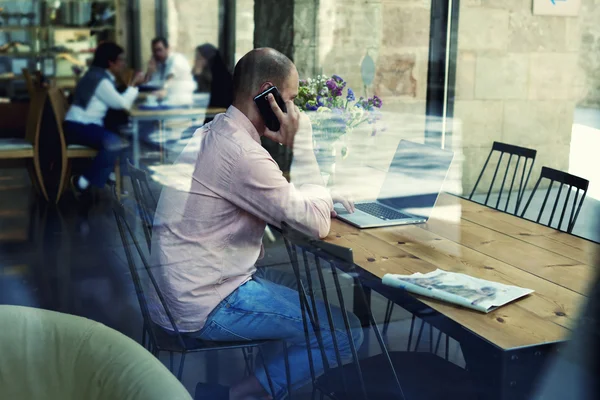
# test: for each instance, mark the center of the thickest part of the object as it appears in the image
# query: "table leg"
(136, 143)
(506, 375)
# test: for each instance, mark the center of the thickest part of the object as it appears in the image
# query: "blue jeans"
(108, 144)
(261, 309)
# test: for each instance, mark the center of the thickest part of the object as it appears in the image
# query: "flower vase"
(325, 154)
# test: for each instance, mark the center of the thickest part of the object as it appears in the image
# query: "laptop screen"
(415, 178)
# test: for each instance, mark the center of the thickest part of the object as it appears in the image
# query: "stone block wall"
(394, 33)
(191, 24)
(589, 55)
(518, 81)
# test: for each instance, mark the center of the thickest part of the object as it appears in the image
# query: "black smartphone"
(271, 120)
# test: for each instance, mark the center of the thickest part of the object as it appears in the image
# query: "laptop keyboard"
(380, 211)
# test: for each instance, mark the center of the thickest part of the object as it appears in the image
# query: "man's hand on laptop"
(342, 199)
(289, 122)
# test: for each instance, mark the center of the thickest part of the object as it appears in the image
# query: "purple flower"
(350, 96)
(310, 106)
(331, 85)
(377, 102)
(320, 101)
(337, 79)
(337, 91)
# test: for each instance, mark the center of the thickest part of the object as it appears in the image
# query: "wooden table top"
(466, 237)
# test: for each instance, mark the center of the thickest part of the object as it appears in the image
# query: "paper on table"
(459, 289)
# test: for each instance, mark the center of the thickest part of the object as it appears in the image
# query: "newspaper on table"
(459, 289)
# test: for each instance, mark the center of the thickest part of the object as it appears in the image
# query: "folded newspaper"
(460, 289)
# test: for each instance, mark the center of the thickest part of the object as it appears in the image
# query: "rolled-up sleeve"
(258, 186)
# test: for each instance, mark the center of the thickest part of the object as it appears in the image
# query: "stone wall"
(518, 81)
(147, 20)
(244, 28)
(589, 58)
(394, 33)
(190, 25)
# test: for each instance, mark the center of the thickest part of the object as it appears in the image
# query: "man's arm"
(108, 94)
(259, 187)
(304, 168)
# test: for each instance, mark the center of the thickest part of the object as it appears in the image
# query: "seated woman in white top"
(94, 95)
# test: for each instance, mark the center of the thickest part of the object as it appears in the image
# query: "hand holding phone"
(281, 118)
(266, 110)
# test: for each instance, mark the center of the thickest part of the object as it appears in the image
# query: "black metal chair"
(415, 342)
(569, 180)
(388, 375)
(155, 338)
(145, 200)
(512, 151)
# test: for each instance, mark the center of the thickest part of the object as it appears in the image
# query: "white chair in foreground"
(49, 355)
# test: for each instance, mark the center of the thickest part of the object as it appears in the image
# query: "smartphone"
(265, 110)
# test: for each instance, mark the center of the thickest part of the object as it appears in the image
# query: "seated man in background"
(94, 95)
(208, 232)
(165, 64)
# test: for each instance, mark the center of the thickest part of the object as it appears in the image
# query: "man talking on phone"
(208, 231)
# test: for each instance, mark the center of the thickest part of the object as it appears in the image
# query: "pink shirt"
(209, 224)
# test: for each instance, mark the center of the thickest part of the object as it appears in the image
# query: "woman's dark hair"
(106, 53)
(215, 77)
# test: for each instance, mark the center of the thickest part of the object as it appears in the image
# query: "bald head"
(257, 67)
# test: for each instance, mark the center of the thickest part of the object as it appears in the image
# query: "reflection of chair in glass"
(158, 338)
(518, 153)
(146, 203)
(387, 375)
(27, 148)
(51, 355)
(569, 180)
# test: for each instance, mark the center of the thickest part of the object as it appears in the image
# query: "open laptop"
(411, 188)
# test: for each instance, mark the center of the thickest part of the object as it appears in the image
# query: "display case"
(57, 38)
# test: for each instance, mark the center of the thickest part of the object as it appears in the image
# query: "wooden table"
(506, 347)
(161, 115)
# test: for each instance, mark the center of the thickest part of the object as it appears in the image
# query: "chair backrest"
(146, 202)
(128, 238)
(28, 81)
(59, 105)
(565, 179)
(310, 257)
(34, 117)
(516, 152)
(52, 355)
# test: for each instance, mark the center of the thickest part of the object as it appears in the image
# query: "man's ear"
(265, 86)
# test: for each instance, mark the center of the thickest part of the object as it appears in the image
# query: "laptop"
(412, 186)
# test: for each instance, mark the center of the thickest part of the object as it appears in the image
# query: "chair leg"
(144, 336)
(388, 316)
(247, 352)
(181, 362)
(288, 375)
(35, 174)
(64, 177)
(271, 388)
(118, 181)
